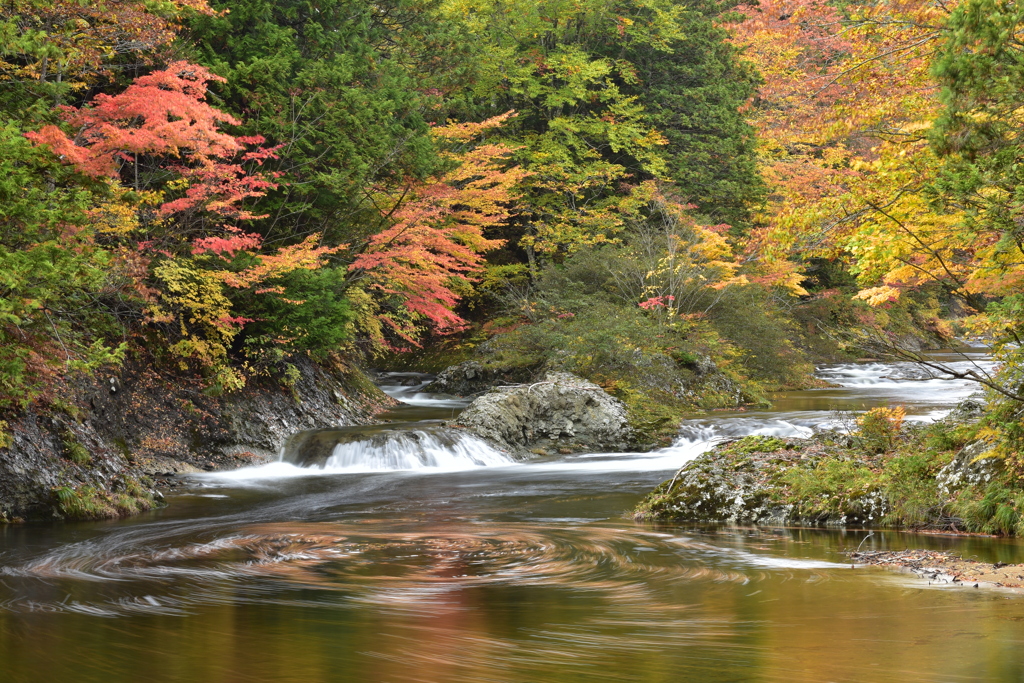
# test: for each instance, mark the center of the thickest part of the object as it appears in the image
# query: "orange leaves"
(305, 255)
(161, 113)
(437, 234)
(468, 132)
(231, 245)
(164, 115)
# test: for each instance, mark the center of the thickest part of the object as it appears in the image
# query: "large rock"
(561, 413)
(472, 377)
(744, 482)
(968, 411)
(974, 465)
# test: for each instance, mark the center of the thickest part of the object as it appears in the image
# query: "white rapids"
(428, 447)
(415, 450)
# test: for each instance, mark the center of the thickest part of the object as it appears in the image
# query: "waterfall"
(375, 449)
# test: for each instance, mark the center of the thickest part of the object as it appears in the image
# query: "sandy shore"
(942, 567)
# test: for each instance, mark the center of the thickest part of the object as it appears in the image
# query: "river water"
(410, 554)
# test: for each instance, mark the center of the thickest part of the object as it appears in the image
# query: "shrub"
(879, 428)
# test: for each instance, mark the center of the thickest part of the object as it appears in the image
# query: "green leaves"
(51, 273)
(344, 86)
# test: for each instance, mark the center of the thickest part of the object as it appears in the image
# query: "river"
(412, 557)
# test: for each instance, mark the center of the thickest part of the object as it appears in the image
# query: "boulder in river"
(560, 413)
(752, 480)
(473, 377)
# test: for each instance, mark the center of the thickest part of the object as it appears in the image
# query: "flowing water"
(407, 552)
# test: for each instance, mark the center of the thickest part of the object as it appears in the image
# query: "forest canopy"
(224, 185)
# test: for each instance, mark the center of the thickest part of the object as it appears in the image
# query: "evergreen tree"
(344, 87)
(693, 93)
(981, 69)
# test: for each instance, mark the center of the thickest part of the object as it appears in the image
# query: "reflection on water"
(521, 572)
(392, 601)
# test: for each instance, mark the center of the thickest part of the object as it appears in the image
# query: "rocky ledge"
(945, 568)
(820, 481)
(560, 413)
(107, 443)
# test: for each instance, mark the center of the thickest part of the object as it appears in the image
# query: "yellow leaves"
(193, 295)
(880, 427)
(847, 100)
(466, 132)
(118, 216)
(181, 183)
(792, 283)
(199, 296)
(876, 296)
(114, 218)
(861, 165)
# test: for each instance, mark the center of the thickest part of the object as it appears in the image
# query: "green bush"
(996, 509)
(318, 325)
(753, 319)
(126, 497)
(908, 480)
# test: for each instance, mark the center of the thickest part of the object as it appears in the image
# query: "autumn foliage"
(438, 233)
(164, 114)
(341, 185)
(163, 123)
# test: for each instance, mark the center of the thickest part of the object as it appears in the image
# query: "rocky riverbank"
(939, 477)
(104, 447)
(945, 568)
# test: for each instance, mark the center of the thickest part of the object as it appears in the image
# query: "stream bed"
(405, 553)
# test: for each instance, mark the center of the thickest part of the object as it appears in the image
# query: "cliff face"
(91, 452)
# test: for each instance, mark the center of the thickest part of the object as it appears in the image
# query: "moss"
(679, 499)
(126, 497)
(74, 450)
(832, 488)
(434, 358)
(756, 444)
(122, 447)
(820, 482)
(6, 438)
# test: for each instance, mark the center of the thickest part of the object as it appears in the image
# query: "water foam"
(416, 450)
(427, 450)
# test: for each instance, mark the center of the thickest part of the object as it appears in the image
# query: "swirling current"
(408, 553)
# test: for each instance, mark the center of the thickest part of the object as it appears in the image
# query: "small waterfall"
(382, 448)
(738, 427)
(699, 436)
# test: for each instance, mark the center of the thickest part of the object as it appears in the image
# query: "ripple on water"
(406, 570)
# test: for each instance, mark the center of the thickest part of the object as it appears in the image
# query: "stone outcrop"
(107, 436)
(972, 466)
(743, 482)
(560, 413)
(472, 377)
